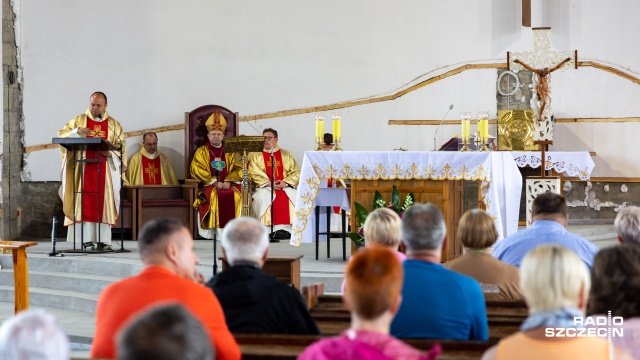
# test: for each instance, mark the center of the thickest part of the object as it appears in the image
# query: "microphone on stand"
(438, 128)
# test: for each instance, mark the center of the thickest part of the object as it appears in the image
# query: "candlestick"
(483, 130)
(466, 130)
(337, 122)
(337, 131)
(319, 131)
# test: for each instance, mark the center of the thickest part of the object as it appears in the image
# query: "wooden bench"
(283, 267)
(504, 317)
(20, 273)
(289, 347)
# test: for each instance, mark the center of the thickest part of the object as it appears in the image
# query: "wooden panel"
(445, 194)
(284, 267)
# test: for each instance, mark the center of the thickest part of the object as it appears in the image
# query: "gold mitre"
(216, 122)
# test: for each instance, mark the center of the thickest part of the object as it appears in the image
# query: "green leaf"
(408, 201)
(361, 214)
(395, 199)
(378, 201)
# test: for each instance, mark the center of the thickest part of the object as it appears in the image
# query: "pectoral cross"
(542, 61)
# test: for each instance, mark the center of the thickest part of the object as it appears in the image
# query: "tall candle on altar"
(319, 126)
(466, 125)
(483, 125)
(337, 122)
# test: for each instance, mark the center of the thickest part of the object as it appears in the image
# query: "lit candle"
(466, 126)
(319, 126)
(484, 128)
(337, 119)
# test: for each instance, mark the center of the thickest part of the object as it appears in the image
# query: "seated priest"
(149, 166)
(219, 192)
(285, 174)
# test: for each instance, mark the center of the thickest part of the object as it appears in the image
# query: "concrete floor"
(81, 325)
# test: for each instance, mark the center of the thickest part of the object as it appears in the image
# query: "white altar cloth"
(572, 163)
(501, 182)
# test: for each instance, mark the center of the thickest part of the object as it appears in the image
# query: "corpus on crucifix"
(542, 61)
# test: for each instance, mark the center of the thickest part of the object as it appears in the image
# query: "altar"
(499, 180)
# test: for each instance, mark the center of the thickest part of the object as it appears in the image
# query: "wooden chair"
(195, 135)
(157, 201)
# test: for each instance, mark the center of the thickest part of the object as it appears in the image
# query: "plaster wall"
(157, 59)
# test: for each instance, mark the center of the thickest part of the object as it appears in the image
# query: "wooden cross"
(542, 61)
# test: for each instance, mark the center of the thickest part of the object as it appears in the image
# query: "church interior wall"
(156, 59)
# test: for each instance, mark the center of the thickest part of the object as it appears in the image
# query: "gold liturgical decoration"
(516, 130)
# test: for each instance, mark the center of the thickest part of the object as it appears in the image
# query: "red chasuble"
(226, 202)
(281, 201)
(151, 171)
(93, 180)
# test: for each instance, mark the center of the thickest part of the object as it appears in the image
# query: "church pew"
(504, 317)
(281, 346)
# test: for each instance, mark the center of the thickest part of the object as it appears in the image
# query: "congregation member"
(374, 282)
(254, 301)
(96, 211)
(615, 285)
(149, 166)
(165, 332)
(33, 335)
(627, 225)
(477, 233)
(382, 227)
(555, 283)
(285, 180)
(169, 275)
(219, 194)
(549, 220)
(437, 303)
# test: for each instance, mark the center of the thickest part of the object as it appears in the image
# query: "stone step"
(61, 299)
(110, 267)
(85, 283)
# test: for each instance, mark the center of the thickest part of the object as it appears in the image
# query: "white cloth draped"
(501, 182)
(571, 163)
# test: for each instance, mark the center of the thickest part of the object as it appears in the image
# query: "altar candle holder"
(466, 131)
(483, 130)
(319, 132)
(337, 132)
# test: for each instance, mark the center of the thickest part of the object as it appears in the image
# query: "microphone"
(438, 128)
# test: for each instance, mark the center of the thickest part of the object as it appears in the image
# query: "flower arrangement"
(361, 212)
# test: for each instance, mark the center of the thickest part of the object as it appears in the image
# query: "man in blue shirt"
(549, 219)
(437, 303)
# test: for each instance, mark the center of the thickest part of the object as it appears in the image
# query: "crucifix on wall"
(542, 61)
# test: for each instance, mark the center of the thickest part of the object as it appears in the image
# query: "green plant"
(361, 212)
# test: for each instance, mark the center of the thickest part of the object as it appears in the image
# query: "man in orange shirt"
(169, 276)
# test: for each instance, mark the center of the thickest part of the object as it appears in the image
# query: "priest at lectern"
(96, 183)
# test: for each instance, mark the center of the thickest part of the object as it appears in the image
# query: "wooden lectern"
(79, 144)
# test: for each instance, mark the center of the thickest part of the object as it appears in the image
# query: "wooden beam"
(494, 121)
(373, 100)
(526, 13)
(431, 122)
(126, 135)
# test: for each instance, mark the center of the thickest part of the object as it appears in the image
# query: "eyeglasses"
(269, 138)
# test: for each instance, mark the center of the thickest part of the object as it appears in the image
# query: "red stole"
(93, 182)
(281, 201)
(151, 171)
(226, 202)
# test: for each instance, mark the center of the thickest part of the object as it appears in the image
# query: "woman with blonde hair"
(382, 227)
(477, 233)
(555, 284)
